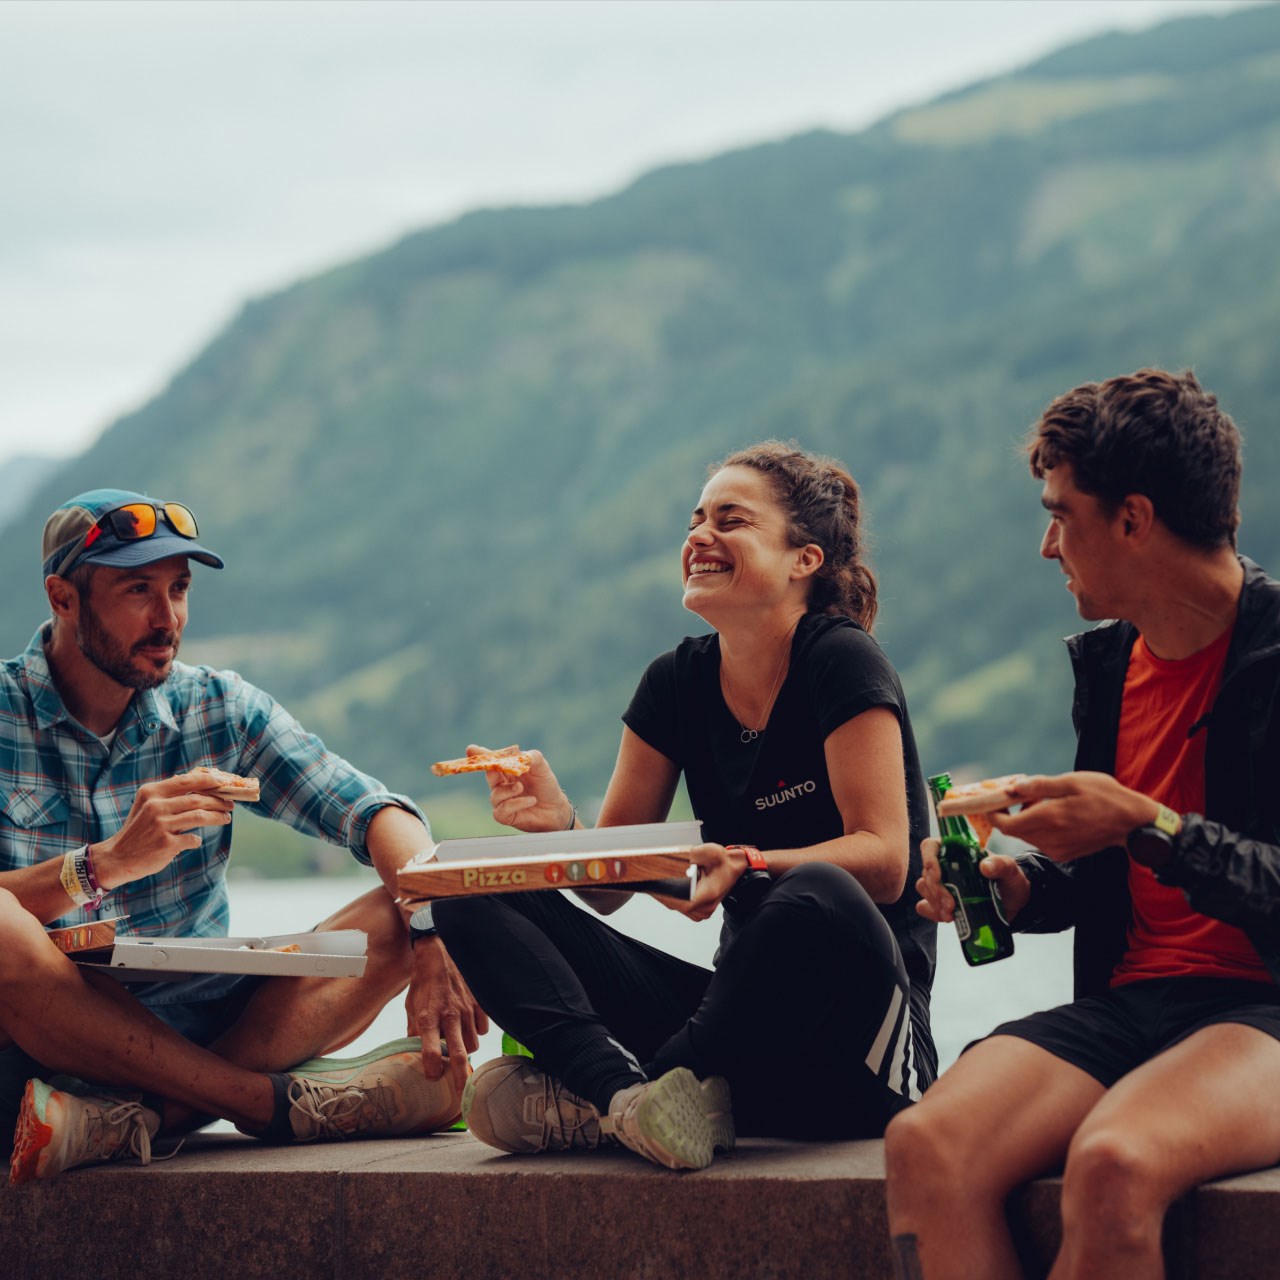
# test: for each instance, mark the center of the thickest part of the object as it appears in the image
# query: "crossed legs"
(86, 1025)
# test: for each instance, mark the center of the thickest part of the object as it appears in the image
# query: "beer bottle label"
(996, 902)
(961, 917)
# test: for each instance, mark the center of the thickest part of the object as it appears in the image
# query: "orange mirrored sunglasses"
(130, 523)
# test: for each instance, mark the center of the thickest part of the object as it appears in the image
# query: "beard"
(114, 660)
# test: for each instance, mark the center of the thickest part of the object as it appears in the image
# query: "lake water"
(966, 1002)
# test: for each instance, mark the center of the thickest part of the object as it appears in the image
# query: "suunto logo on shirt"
(785, 793)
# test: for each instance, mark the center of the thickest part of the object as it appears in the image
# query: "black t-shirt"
(774, 792)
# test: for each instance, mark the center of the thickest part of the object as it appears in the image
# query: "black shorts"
(1109, 1035)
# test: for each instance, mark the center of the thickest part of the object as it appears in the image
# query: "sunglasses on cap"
(131, 522)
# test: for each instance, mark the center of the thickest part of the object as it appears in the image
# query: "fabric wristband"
(76, 881)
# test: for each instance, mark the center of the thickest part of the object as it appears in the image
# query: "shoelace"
(555, 1123)
(626, 1129)
(340, 1112)
(121, 1131)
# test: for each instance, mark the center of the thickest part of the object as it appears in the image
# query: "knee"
(920, 1158)
(1112, 1181)
(25, 941)
(459, 919)
(820, 881)
(389, 958)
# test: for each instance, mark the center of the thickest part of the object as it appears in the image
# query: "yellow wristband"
(1167, 820)
(70, 878)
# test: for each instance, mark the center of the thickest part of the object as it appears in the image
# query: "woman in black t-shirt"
(791, 729)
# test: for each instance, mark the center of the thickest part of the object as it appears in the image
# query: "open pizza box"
(649, 857)
(339, 953)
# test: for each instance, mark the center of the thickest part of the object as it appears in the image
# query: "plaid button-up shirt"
(61, 788)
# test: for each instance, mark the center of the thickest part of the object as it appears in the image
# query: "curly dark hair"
(822, 503)
(1154, 433)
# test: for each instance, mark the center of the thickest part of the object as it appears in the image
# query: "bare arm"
(440, 1004)
(164, 821)
(864, 764)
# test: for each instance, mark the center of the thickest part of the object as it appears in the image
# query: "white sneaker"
(675, 1121)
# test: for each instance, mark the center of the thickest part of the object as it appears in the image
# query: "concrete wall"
(229, 1209)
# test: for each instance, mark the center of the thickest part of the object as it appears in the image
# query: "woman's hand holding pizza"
(533, 801)
(936, 902)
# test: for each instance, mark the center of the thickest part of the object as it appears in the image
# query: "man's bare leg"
(1004, 1113)
(1197, 1111)
(291, 1019)
(86, 1026)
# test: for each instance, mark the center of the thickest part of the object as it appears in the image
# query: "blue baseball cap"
(82, 531)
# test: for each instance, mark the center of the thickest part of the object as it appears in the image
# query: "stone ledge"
(230, 1209)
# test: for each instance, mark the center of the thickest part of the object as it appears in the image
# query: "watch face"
(421, 918)
(1149, 847)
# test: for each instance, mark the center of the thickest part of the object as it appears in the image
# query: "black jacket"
(1227, 861)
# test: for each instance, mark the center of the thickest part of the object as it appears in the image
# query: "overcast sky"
(162, 162)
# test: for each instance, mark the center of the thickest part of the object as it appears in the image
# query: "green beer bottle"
(984, 932)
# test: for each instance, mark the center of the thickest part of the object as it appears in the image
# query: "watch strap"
(755, 859)
(421, 925)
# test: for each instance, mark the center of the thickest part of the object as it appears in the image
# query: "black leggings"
(808, 1013)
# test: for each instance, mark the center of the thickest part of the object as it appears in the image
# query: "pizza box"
(338, 953)
(650, 857)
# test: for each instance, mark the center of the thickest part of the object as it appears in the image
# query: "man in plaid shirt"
(98, 723)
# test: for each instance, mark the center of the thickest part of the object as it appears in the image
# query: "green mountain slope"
(451, 480)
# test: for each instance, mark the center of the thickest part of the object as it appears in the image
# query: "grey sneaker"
(58, 1129)
(383, 1094)
(674, 1121)
(512, 1105)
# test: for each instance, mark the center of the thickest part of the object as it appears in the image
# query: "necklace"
(750, 735)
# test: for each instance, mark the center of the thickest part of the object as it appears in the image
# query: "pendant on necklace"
(749, 735)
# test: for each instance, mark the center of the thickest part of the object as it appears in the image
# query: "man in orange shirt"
(1161, 851)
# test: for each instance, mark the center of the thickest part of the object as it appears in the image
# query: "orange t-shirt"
(1154, 755)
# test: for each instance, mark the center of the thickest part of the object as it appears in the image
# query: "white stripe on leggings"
(876, 1057)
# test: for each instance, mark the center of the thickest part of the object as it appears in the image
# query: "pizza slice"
(231, 785)
(509, 760)
(977, 799)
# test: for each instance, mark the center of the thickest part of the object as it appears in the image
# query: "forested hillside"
(451, 480)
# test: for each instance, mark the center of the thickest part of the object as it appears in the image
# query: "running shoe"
(675, 1121)
(512, 1105)
(59, 1129)
(384, 1094)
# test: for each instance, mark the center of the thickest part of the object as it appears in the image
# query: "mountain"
(19, 476)
(451, 480)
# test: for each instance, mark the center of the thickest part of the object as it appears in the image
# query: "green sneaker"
(675, 1121)
(384, 1094)
(58, 1129)
(512, 1105)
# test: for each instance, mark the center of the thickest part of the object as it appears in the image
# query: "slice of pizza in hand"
(509, 760)
(231, 785)
(987, 796)
(977, 799)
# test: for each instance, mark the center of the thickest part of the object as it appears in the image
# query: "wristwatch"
(421, 924)
(755, 859)
(1152, 845)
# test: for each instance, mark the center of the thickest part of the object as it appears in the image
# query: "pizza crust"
(233, 786)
